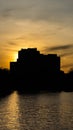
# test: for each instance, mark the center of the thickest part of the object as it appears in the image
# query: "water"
(52, 111)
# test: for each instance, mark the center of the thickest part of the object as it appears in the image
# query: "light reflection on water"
(52, 111)
(12, 109)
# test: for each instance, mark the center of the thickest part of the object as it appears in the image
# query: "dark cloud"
(57, 48)
(12, 43)
(61, 47)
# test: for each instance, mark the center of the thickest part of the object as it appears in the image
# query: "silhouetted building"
(31, 61)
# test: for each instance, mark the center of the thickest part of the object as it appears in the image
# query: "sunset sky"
(44, 24)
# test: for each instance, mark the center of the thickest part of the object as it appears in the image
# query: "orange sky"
(44, 24)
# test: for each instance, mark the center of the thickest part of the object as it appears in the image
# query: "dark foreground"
(35, 83)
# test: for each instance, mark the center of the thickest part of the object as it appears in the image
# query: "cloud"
(61, 47)
(7, 12)
(52, 10)
(12, 43)
(57, 48)
(66, 54)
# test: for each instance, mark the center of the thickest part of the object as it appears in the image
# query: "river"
(51, 111)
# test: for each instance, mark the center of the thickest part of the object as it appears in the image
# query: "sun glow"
(15, 56)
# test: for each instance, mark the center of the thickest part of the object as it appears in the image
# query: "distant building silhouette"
(31, 61)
